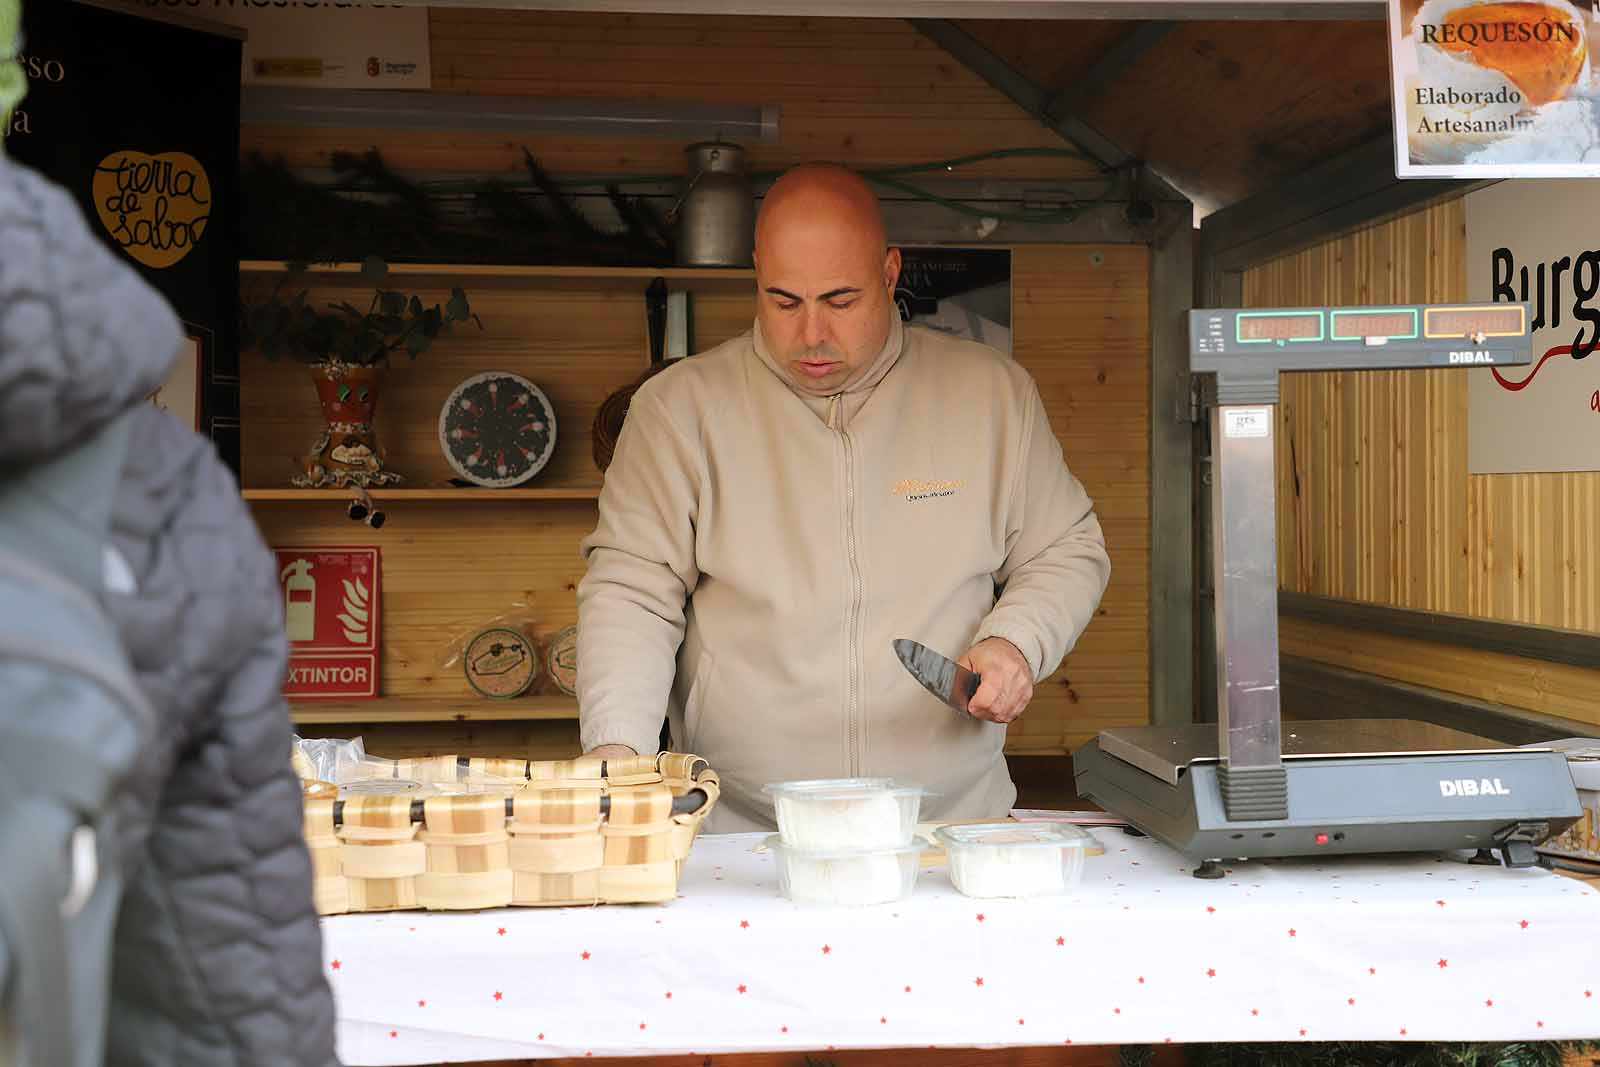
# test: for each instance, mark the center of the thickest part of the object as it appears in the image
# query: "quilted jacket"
(217, 956)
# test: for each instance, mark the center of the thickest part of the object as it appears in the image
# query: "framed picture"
(180, 393)
(963, 292)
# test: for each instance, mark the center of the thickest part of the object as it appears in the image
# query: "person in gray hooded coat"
(217, 956)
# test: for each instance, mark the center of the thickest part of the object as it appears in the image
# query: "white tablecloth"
(1348, 948)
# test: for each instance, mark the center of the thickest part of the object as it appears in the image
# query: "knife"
(944, 678)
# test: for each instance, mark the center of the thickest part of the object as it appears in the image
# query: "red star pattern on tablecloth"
(1010, 917)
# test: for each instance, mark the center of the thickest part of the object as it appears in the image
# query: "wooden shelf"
(705, 279)
(410, 709)
(426, 496)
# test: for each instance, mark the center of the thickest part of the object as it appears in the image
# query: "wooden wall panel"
(1372, 465)
(577, 345)
(1080, 327)
(861, 91)
(1537, 544)
(1082, 330)
(1375, 502)
(1515, 681)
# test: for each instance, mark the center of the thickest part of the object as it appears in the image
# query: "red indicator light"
(1322, 839)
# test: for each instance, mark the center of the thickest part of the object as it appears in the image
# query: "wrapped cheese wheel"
(1009, 859)
(846, 813)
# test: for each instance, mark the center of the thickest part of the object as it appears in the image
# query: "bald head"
(822, 195)
(826, 275)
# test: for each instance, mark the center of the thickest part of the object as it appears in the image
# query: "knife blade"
(943, 677)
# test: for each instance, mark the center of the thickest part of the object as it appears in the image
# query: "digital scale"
(1243, 788)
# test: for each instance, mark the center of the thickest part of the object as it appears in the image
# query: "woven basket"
(584, 831)
(611, 414)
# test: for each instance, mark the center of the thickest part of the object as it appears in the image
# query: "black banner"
(139, 118)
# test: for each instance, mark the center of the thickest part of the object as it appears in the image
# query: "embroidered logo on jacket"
(917, 489)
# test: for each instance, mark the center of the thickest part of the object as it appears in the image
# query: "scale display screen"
(1278, 326)
(1246, 345)
(1508, 321)
(1397, 325)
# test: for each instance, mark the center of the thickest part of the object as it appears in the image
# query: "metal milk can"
(715, 219)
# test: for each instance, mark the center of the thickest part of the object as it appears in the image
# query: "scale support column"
(1245, 577)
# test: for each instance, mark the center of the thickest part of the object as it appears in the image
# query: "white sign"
(1539, 242)
(1494, 88)
(331, 44)
(1246, 422)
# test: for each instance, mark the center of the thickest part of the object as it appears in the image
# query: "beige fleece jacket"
(759, 549)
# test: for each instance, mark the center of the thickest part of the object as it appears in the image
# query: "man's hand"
(1007, 680)
(611, 751)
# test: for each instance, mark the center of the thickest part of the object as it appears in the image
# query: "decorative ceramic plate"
(497, 429)
(500, 663)
(564, 660)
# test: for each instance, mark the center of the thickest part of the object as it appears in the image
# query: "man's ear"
(891, 270)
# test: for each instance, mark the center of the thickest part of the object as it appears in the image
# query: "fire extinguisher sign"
(330, 610)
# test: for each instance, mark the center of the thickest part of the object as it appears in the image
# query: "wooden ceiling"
(1221, 109)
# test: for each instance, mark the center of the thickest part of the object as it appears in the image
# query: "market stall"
(1267, 406)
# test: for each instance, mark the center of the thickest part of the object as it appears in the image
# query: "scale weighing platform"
(1244, 788)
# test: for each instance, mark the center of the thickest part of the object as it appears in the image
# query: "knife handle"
(972, 686)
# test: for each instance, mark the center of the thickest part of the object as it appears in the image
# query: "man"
(782, 507)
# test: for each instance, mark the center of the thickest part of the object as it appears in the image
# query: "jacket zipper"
(852, 654)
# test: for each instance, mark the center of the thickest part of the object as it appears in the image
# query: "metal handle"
(672, 212)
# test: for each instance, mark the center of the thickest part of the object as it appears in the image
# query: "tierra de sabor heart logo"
(154, 207)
